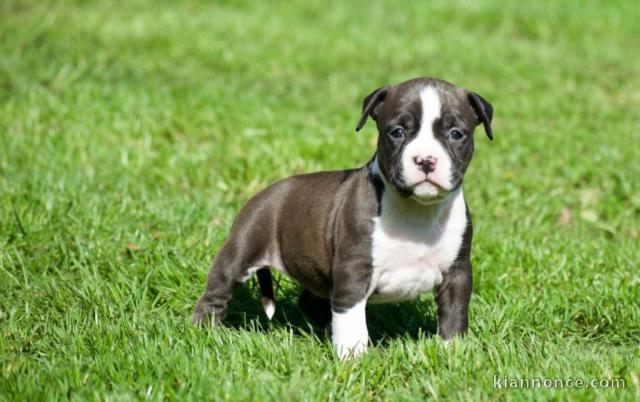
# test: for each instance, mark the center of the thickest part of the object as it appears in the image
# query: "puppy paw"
(206, 311)
(350, 334)
(350, 351)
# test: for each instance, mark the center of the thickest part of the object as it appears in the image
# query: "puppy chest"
(409, 257)
(403, 270)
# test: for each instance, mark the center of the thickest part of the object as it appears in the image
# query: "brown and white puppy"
(382, 233)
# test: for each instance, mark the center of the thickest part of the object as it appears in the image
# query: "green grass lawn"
(132, 132)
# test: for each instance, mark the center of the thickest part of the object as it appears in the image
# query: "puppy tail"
(266, 290)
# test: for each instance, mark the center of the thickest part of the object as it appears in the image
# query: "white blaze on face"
(425, 145)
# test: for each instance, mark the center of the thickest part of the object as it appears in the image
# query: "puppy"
(381, 233)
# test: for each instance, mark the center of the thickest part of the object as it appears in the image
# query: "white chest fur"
(413, 245)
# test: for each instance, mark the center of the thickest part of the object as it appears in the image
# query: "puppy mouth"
(438, 185)
(426, 188)
(432, 182)
(411, 190)
(429, 191)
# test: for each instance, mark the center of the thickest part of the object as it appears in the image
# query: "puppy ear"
(370, 105)
(484, 110)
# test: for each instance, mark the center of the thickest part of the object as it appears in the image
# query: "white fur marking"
(350, 335)
(424, 145)
(250, 272)
(413, 245)
(271, 259)
(269, 308)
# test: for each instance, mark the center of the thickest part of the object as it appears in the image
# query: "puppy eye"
(456, 135)
(397, 132)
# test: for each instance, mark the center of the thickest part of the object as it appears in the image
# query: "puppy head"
(425, 134)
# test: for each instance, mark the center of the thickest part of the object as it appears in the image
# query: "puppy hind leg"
(316, 308)
(267, 299)
(228, 269)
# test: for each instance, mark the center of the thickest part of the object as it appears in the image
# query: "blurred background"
(230, 96)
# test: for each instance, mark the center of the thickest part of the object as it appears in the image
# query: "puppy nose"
(426, 164)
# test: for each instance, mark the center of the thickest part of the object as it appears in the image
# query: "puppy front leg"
(452, 298)
(348, 302)
(349, 330)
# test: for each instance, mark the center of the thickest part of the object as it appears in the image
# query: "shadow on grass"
(385, 321)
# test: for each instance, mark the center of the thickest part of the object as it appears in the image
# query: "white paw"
(269, 307)
(350, 335)
(346, 351)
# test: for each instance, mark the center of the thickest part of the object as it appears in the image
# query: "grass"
(132, 132)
